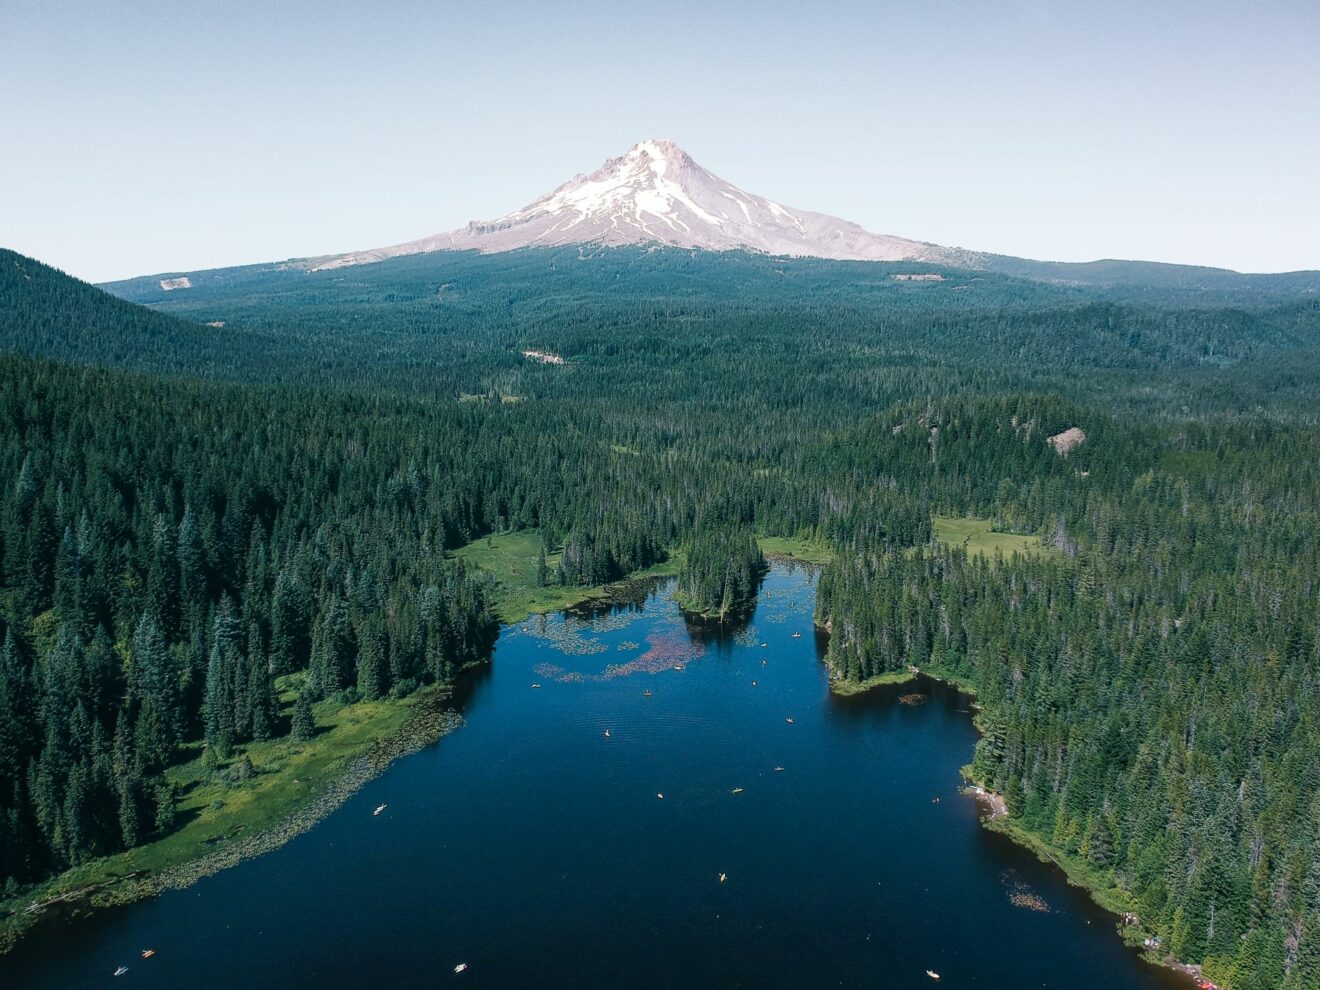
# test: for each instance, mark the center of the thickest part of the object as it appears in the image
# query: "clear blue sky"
(140, 136)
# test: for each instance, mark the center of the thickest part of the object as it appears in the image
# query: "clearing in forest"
(976, 535)
(808, 551)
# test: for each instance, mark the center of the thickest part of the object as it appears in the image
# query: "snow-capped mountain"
(656, 194)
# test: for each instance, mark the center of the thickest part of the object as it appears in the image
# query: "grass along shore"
(264, 795)
(846, 689)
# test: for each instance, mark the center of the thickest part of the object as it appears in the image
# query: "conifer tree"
(304, 725)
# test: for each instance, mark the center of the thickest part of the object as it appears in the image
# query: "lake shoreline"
(848, 689)
(427, 725)
(994, 817)
(434, 719)
(447, 704)
(420, 729)
(1110, 899)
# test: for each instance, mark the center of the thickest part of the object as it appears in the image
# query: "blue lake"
(538, 850)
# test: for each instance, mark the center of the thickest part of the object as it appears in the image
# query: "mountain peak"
(658, 148)
(655, 193)
(661, 153)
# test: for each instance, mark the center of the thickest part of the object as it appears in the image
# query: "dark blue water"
(535, 849)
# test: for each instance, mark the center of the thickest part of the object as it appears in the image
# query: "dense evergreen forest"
(1151, 683)
(191, 512)
(168, 550)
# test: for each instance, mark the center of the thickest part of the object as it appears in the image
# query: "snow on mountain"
(656, 194)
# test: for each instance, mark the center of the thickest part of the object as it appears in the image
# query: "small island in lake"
(720, 573)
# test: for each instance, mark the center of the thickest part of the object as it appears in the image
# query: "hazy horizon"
(160, 137)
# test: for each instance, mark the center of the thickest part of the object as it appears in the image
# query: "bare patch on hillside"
(1063, 443)
(545, 357)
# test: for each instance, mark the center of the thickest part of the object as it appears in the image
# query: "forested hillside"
(168, 551)
(283, 499)
(633, 321)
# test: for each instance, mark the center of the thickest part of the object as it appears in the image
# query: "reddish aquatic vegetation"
(665, 651)
(554, 672)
